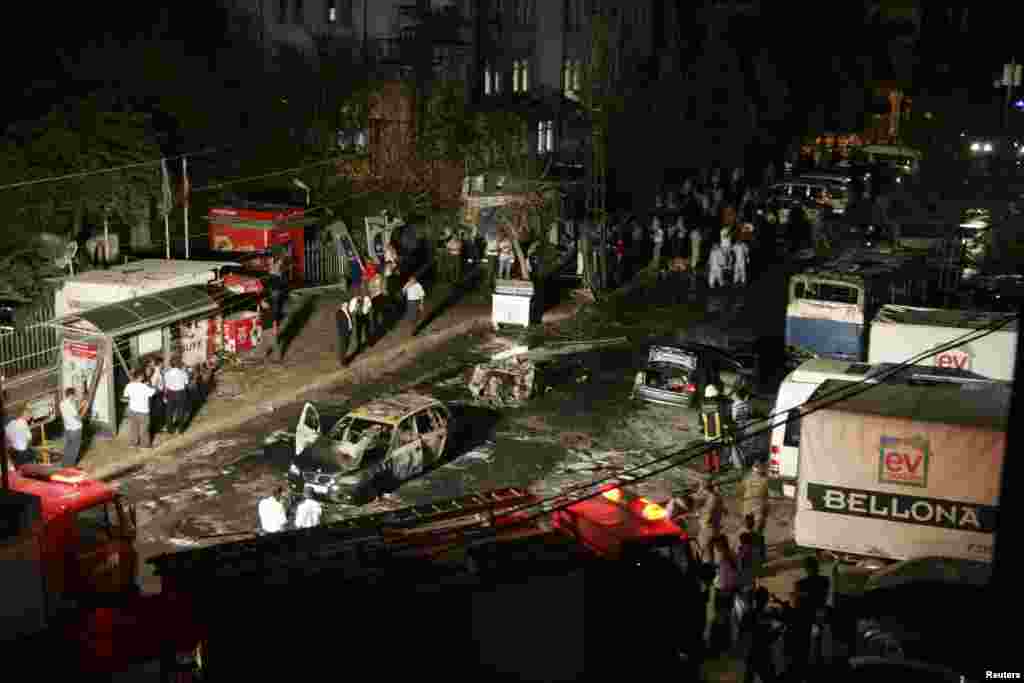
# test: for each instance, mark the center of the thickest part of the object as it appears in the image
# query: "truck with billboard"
(902, 471)
(901, 332)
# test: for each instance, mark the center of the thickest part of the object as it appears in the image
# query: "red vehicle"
(258, 223)
(120, 635)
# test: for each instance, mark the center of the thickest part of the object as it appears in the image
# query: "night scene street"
(526, 340)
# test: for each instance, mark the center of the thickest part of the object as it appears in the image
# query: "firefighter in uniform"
(711, 421)
(755, 495)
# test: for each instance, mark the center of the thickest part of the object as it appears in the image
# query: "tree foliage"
(84, 135)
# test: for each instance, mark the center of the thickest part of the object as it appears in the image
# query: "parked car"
(677, 373)
(377, 445)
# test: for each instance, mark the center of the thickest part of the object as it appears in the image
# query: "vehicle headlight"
(294, 469)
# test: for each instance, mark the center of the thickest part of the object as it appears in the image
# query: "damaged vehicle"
(372, 448)
(515, 376)
(676, 374)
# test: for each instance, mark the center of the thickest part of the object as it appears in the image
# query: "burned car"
(676, 374)
(377, 445)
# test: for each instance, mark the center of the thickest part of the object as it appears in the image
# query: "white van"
(798, 386)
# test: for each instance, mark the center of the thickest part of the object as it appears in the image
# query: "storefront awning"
(145, 312)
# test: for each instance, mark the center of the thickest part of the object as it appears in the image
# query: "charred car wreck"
(374, 447)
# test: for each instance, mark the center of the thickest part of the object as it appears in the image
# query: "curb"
(267, 405)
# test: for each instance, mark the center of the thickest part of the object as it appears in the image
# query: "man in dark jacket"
(346, 326)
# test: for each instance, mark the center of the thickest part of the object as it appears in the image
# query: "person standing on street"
(810, 599)
(364, 320)
(414, 296)
(658, 239)
(19, 438)
(716, 267)
(273, 517)
(307, 514)
(711, 422)
(355, 305)
(712, 509)
(280, 271)
(506, 256)
(740, 261)
(138, 393)
(345, 326)
(755, 495)
(158, 413)
(176, 383)
(454, 248)
(695, 246)
(72, 411)
(742, 414)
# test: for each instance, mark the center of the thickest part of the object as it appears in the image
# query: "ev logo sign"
(958, 359)
(903, 461)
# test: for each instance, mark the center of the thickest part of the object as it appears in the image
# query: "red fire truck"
(182, 623)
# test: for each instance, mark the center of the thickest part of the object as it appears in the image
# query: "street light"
(302, 186)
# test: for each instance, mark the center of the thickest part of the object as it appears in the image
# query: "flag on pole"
(186, 187)
(168, 199)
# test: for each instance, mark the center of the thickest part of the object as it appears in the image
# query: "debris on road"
(210, 448)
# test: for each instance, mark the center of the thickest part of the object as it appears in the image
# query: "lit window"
(572, 76)
(545, 137)
(492, 80)
(332, 12)
(520, 75)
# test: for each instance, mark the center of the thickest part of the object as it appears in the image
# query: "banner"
(79, 364)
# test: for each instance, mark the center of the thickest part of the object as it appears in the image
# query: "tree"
(85, 135)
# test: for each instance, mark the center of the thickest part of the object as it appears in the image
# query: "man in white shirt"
(273, 517)
(19, 438)
(176, 384)
(658, 237)
(308, 513)
(71, 412)
(361, 310)
(138, 394)
(414, 296)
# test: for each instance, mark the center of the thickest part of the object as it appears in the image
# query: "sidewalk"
(310, 364)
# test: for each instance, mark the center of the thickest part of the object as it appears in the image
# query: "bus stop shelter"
(100, 346)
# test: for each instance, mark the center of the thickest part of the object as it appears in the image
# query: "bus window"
(826, 291)
(792, 437)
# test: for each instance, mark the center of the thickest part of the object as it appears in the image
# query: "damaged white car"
(375, 446)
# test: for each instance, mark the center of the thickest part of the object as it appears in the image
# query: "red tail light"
(691, 388)
(775, 450)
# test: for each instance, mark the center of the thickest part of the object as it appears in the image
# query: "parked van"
(798, 386)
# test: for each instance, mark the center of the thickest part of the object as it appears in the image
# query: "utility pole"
(597, 169)
(1011, 79)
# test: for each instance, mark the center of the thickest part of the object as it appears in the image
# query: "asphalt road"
(572, 434)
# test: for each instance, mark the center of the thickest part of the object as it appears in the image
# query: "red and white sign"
(80, 350)
(959, 359)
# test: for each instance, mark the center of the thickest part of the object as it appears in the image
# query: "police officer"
(755, 495)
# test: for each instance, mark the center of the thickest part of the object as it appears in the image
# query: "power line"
(265, 175)
(472, 537)
(86, 174)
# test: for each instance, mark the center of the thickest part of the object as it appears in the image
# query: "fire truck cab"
(84, 533)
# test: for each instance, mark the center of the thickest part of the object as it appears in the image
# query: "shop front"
(101, 346)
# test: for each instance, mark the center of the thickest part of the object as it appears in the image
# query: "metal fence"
(32, 345)
(324, 262)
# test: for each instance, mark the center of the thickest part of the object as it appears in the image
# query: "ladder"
(352, 543)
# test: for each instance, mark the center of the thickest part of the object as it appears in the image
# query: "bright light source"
(614, 495)
(988, 146)
(1019, 104)
(652, 512)
(975, 147)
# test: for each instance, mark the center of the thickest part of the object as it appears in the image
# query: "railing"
(32, 345)
(324, 263)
